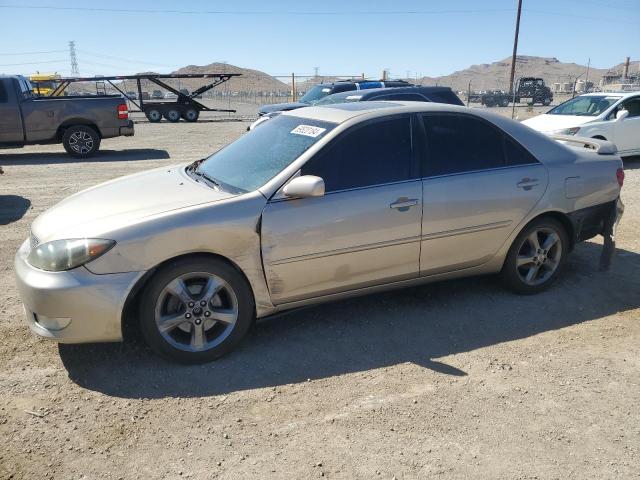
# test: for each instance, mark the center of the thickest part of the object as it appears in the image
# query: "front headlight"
(567, 131)
(62, 255)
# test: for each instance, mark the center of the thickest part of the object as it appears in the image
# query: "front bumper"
(89, 305)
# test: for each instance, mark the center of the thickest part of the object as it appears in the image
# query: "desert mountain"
(483, 76)
(496, 75)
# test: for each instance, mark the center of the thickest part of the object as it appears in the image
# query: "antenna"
(74, 59)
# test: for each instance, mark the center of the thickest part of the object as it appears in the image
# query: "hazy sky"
(339, 37)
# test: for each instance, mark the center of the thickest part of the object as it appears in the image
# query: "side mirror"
(621, 115)
(304, 186)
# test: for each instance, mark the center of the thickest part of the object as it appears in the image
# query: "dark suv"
(411, 93)
(407, 94)
(322, 90)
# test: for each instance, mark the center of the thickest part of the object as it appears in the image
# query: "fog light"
(51, 323)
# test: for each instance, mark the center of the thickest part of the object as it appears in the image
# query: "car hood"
(281, 107)
(120, 202)
(549, 123)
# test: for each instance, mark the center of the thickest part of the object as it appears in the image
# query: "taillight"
(620, 176)
(123, 111)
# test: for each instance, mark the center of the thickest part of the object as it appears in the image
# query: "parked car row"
(388, 92)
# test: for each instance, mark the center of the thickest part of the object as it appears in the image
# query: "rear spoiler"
(602, 147)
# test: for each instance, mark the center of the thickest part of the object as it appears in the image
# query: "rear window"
(445, 97)
(3, 93)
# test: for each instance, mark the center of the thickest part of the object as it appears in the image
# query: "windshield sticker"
(308, 130)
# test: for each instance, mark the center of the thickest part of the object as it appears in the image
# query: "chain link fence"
(246, 93)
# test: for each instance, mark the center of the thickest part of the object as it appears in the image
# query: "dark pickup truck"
(79, 123)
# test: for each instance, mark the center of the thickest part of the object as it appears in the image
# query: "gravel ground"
(454, 380)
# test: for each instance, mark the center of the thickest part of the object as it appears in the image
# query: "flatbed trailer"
(185, 106)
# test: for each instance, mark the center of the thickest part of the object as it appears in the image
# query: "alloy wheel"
(81, 142)
(196, 311)
(539, 256)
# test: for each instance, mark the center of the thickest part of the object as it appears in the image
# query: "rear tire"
(172, 115)
(191, 115)
(80, 141)
(154, 115)
(536, 257)
(208, 304)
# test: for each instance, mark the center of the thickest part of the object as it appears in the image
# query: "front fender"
(228, 229)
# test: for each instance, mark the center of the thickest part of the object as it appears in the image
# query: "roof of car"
(361, 80)
(610, 94)
(341, 112)
(374, 91)
(338, 113)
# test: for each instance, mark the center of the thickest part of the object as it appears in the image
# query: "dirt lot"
(454, 380)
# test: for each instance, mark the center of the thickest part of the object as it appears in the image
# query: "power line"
(32, 53)
(32, 63)
(257, 12)
(113, 57)
(573, 15)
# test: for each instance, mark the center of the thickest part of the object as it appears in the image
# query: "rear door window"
(376, 153)
(516, 154)
(462, 143)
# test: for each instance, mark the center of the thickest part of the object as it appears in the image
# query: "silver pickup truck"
(79, 123)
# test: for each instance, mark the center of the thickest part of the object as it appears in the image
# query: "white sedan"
(606, 116)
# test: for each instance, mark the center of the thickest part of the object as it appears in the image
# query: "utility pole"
(515, 47)
(315, 71)
(74, 60)
(586, 80)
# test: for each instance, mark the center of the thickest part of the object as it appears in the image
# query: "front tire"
(196, 310)
(81, 141)
(154, 115)
(536, 257)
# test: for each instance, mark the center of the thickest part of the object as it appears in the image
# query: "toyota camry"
(318, 204)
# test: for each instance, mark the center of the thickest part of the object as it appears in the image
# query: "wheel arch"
(73, 122)
(557, 215)
(129, 319)
(562, 217)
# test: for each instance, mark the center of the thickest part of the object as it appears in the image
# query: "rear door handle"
(528, 183)
(403, 204)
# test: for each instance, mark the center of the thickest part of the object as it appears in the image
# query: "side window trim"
(415, 160)
(425, 154)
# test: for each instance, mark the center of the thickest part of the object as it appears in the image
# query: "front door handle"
(404, 203)
(528, 183)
